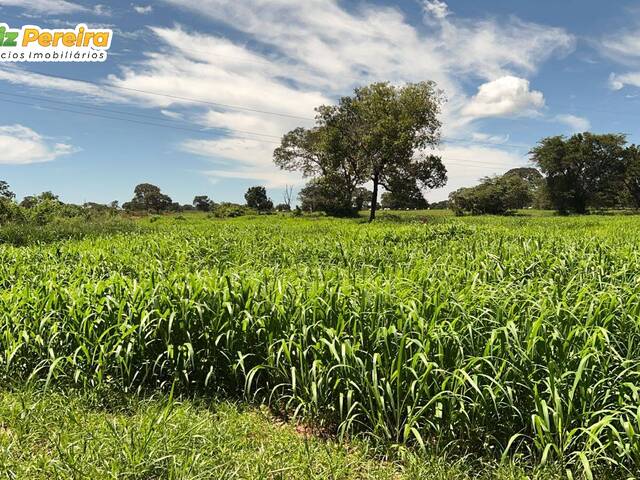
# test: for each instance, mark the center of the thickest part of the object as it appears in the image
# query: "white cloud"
(619, 81)
(21, 146)
(18, 76)
(309, 64)
(503, 97)
(622, 47)
(45, 6)
(577, 124)
(143, 9)
(436, 8)
(102, 10)
(289, 61)
(173, 115)
(485, 137)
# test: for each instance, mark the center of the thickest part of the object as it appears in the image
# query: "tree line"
(147, 198)
(383, 137)
(583, 172)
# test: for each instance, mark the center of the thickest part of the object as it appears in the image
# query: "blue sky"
(226, 79)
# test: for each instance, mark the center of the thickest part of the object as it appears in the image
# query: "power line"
(245, 108)
(140, 122)
(445, 158)
(175, 97)
(226, 129)
(142, 115)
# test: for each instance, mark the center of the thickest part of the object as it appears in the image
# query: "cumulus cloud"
(575, 123)
(21, 145)
(143, 9)
(288, 62)
(309, 64)
(624, 48)
(505, 96)
(436, 9)
(619, 81)
(45, 6)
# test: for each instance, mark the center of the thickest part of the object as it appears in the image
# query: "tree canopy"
(585, 170)
(379, 136)
(256, 198)
(148, 197)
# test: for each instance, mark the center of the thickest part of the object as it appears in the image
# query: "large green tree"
(378, 136)
(582, 171)
(256, 198)
(203, 203)
(150, 198)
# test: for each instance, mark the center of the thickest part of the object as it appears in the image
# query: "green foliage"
(89, 436)
(327, 194)
(256, 198)
(231, 210)
(283, 207)
(202, 203)
(473, 336)
(5, 191)
(374, 136)
(585, 170)
(404, 196)
(149, 198)
(495, 195)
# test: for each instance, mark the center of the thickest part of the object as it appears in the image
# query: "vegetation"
(479, 337)
(588, 171)
(517, 189)
(379, 135)
(257, 199)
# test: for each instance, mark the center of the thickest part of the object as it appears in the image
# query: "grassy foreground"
(486, 339)
(55, 436)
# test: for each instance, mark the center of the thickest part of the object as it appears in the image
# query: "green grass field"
(420, 346)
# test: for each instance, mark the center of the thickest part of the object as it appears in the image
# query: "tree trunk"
(374, 199)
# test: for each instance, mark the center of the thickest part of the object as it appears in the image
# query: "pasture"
(511, 344)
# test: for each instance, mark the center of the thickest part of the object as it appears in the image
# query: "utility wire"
(445, 158)
(167, 95)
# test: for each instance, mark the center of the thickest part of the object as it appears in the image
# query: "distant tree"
(5, 192)
(404, 196)
(32, 201)
(441, 205)
(49, 196)
(29, 201)
(148, 197)
(283, 207)
(202, 203)
(631, 177)
(230, 210)
(114, 205)
(379, 135)
(174, 207)
(494, 195)
(582, 171)
(327, 194)
(256, 198)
